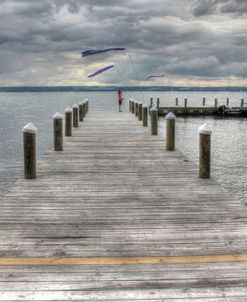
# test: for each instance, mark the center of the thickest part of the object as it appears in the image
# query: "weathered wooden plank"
(123, 260)
(128, 294)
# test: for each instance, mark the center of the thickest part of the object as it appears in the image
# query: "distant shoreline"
(114, 88)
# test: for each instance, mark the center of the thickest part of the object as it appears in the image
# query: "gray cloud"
(238, 7)
(40, 42)
(207, 7)
(204, 7)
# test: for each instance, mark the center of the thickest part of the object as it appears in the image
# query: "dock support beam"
(130, 101)
(86, 105)
(145, 115)
(158, 103)
(227, 102)
(176, 101)
(204, 151)
(140, 111)
(242, 103)
(154, 121)
(204, 101)
(75, 116)
(58, 131)
(151, 101)
(68, 121)
(133, 107)
(185, 103)
(215, 102)
(136, 108)
(81, 111)
(29, 145)
(170, 131)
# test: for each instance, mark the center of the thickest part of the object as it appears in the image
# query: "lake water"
(229, 144)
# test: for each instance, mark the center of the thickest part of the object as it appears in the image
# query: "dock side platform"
(115, 217)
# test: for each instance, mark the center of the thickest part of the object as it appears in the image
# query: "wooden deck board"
(115, 192)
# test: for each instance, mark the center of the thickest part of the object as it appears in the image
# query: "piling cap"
(139, 103)
(158, 97)
(86, 100)
(170, 116)
(29, 128)
(204, 129)
(153, 109)
(68, 110)
(75, 106)
(145, 106)
(81, 103)
(57, 116)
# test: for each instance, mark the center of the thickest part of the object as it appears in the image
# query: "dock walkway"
(114, 217)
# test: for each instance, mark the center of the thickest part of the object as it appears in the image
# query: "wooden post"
(75, 116)
(204, 101)
(215, 103)
(130, 105)
(85, 102)
(154, 121)
(170, 131)
(151, 101)
(242, 103)
(158, 103)
(87, 105)
(185, 102)
(29, 146)
(133, 107)
(176, 101)
(227, 102)
(144, 115)
(58, 131)
(204, 151)
(140, 111)
(136, 108)
(68, 121)
(81, 111)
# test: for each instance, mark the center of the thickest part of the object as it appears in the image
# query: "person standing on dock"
(120, 99)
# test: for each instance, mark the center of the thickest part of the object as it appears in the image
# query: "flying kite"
(156, 76)
(100, 71)
(91, 52)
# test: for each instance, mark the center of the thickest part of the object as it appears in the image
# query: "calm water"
(229, 146)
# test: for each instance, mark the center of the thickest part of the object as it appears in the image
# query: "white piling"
(29, 148)
(204, 150)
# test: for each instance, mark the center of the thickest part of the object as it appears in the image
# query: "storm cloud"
(207, 7)
(203, 40)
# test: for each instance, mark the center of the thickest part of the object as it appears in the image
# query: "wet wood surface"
(115, 192)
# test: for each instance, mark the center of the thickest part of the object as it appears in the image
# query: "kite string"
(136, 75)
(119, 74)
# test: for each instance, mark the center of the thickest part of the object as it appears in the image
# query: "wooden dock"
(114, 217)
(187, 111)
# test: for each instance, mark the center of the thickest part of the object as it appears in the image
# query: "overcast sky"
(192, 42)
